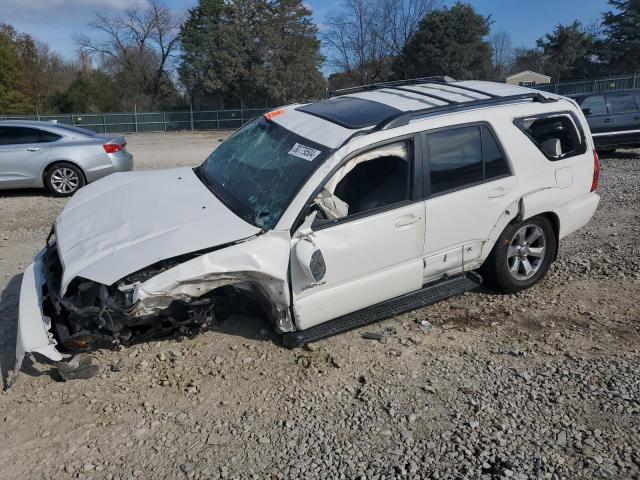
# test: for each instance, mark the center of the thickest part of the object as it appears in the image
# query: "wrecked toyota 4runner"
(328, 215)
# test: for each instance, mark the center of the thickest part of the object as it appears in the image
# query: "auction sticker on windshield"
(304, 152)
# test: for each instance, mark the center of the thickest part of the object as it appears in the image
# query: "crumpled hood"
(128, 221)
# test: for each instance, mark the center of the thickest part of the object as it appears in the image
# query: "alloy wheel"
(526, 252)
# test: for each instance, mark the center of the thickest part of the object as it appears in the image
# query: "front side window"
(595, 105)
(369, 181)
(556, 136)
(24, 135)
(259, 169)
(622, 103)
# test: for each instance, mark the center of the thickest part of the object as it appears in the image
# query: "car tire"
(63, 179)
(522, 255)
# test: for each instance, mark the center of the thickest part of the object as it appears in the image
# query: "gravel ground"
(544, 384)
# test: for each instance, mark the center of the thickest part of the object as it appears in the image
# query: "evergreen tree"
(11, 100)
(621, 47)
(568, 52)
(293, 56)
(450, 41)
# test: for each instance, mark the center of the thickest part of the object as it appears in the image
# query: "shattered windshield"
(258, 170)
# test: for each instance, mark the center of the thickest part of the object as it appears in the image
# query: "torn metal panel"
(262, 261)
(126, 222)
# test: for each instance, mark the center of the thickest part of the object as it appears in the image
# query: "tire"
(63, 179)
(522, 255)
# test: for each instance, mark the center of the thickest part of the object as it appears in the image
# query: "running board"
(427, 295)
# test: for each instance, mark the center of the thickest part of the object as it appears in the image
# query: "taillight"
(596, 171)
(112, 147)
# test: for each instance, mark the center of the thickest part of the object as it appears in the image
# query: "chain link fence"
(131, 122)
(618, 82)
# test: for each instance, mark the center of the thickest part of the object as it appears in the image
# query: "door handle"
(499, 192)
(607, 120)
(33, 149)
(407, 220)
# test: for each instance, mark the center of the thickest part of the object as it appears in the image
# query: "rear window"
(75, 129)
(464, 156)
(556, 136)
(623, 103)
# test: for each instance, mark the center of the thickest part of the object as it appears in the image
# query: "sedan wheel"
(64, 179)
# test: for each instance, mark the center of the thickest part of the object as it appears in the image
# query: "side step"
(427, 295)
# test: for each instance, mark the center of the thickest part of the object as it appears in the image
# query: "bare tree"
(366, 35)
(139, 49)
(402, 20)
(503, 53)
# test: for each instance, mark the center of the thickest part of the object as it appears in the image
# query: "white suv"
(328, 215)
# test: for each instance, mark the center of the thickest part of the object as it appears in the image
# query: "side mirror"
(311, 260)
(586, 111)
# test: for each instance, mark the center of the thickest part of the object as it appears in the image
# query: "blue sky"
(55, 21)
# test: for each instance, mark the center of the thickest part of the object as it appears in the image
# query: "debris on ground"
(81, 366)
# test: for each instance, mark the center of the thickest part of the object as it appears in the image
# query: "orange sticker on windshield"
(274, 113)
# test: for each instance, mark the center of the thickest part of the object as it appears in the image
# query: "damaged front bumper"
(34, 327)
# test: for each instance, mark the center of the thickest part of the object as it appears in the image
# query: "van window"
(556, 136)
(622, 103)
(464, 156)
(596, 105)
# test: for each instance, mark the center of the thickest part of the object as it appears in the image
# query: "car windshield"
(259, 169)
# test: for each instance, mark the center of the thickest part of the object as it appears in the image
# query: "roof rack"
(404, 118)
(393, 83)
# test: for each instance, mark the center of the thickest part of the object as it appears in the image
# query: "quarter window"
(463, 156)
(556, 136)
(595, 105)
(622, 103)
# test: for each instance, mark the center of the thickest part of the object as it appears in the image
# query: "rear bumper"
(34, 326)
(577, 213)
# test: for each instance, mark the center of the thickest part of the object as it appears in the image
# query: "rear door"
(468, 185)
(23, 152)
(626, 117)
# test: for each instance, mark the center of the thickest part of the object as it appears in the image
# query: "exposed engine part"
(95, 315)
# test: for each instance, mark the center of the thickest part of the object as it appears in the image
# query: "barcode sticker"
(304, 152)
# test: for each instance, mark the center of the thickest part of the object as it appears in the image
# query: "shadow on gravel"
(25, 192)
(619, 154)
(9, 326)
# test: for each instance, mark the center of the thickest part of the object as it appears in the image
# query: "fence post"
(135, 116)
(191, 115)
(217, 119)
(635, 75)
(104, 124)
(72, 120)
(164, 120)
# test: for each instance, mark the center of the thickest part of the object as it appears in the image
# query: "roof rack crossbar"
(468, 89)
(375, 86)
(403, 118)
(448, 101)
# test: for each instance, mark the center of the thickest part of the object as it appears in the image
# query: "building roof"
(529, 72)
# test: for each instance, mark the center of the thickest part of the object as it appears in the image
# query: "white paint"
(128, 221)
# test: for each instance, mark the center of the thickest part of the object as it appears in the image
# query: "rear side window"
(622, 103)
(596, 105)
(462, 157)
(23, 135)
(556, 136)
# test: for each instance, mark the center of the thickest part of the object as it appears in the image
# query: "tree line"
(259, 53)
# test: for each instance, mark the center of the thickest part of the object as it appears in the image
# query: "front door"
(22, 154)
(373, 251)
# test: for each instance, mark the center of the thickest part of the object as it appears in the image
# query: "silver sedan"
(59, 157)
